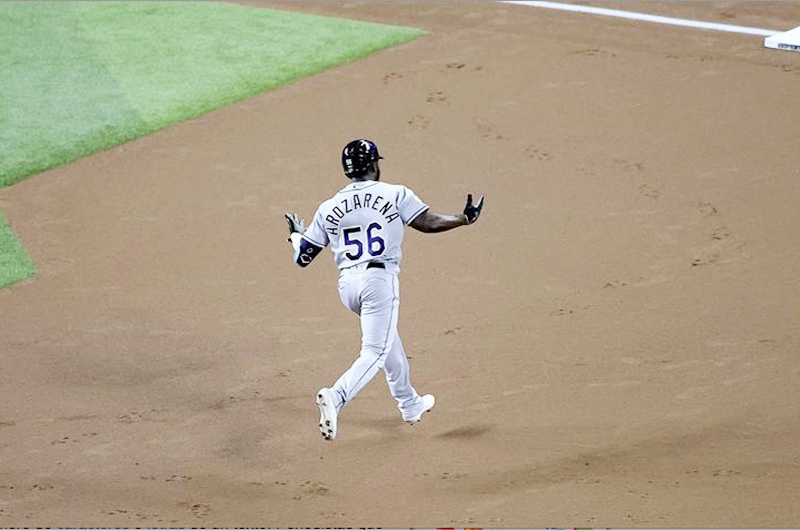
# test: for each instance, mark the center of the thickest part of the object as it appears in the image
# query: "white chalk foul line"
(658, 19)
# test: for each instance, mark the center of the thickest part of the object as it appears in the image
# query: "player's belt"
(375, 265)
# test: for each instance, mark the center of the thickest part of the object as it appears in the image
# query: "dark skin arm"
(430, 222)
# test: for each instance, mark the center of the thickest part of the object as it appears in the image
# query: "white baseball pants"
(374, 295)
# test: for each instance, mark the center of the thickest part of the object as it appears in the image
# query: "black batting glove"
(473, 211)
(295, 224)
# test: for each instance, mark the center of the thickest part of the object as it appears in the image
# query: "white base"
(789, 40)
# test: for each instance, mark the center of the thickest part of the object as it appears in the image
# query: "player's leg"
(398, 374)
(398, 378)
(396, 367)
(371, 294)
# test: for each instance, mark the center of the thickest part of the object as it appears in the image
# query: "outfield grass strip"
(15, 263)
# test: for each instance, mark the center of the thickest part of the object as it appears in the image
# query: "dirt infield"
(614, 344)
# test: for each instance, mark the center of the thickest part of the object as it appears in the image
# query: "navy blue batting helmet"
(358, 156)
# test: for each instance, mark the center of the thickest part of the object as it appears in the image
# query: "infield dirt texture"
(614, 344)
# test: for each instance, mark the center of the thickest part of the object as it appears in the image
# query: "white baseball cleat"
(327, 413)
(427, 404)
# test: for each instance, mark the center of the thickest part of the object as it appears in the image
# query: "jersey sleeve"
(315, 233)
(409, 205)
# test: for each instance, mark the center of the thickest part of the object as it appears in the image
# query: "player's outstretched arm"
(430, 222)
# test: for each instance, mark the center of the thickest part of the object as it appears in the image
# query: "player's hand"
(295, 223)
(473, 211)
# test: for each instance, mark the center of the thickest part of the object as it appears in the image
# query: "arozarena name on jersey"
(355, 202)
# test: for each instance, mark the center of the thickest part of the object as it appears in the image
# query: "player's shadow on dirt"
(465, 433)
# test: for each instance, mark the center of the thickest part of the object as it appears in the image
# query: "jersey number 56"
(354, 238)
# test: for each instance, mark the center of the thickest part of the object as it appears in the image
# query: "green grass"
(80, 77)
(15, 263)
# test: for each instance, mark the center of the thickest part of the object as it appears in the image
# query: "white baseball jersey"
(365, 222)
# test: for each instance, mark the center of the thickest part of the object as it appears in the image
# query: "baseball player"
(364, 224)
